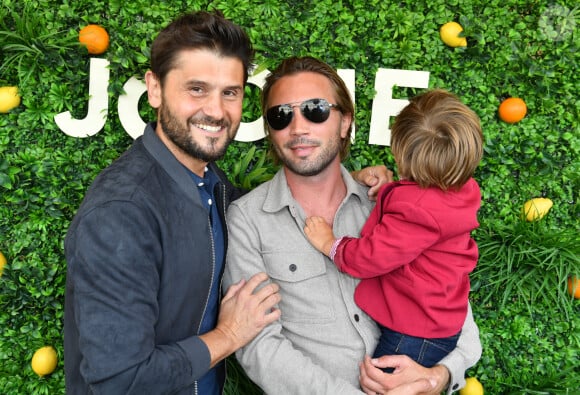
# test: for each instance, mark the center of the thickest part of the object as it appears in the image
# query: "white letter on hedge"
(347, 76)
(97, 107)
(384, 106)
(253, 131)
(129, 107)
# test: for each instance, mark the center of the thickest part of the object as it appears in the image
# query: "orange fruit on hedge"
(44, 361)
(95, 38)
(512, 110)
(574, 286)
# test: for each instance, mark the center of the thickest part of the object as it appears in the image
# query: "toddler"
(415, 251)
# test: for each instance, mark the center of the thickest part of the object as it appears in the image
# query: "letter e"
(384, 106)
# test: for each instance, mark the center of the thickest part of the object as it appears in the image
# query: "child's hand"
(319, 233)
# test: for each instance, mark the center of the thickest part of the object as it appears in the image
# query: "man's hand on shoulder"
(374, 177)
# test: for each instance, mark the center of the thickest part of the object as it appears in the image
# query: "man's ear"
(345, 122)
(153, 89)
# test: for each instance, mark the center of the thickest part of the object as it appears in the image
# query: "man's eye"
(196, 90)
(231, 93)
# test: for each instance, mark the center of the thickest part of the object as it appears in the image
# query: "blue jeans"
(426, 352)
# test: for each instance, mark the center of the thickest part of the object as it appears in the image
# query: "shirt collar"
(279, 196)
(208, 180)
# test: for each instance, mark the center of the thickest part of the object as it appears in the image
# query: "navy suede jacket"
(140, 264)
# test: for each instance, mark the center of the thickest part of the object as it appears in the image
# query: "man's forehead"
(207, 65)
(301, 86)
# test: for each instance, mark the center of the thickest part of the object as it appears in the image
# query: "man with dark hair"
(146, 250)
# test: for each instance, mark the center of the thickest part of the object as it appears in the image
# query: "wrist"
(333, 248)
(440, 374)
(219, 344)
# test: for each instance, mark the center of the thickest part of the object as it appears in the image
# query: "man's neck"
(319, 195)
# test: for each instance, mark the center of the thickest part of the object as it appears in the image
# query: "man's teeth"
(209, 128)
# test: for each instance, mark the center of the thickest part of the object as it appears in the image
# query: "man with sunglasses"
(319, 344)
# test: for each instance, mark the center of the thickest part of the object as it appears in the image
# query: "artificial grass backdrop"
(516, 48)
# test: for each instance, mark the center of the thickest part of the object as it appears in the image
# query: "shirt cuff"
(334, 248)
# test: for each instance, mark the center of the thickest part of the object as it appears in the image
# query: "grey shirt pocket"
(304, 286)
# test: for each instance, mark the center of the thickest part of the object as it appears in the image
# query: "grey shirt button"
(292, 267)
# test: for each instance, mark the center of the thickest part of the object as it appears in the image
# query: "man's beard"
(180, 136)
(310, 167)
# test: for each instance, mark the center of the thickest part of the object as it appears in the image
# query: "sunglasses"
(315, 110)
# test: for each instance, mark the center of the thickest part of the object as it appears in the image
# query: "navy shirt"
(208, 384)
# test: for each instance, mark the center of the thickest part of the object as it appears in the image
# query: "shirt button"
(209, 202)
(292, 267)
(455, 387)
(356, 317)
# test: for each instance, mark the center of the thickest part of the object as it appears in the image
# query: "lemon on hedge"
(449, 33)
(536, 208)
(95, 38)
(44, 361)
(2, 262)
(9, 98)
(472, 387)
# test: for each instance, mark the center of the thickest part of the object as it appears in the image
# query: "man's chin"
(301, 170)
(213, 153)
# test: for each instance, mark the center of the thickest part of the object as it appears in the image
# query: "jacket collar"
(169, 163)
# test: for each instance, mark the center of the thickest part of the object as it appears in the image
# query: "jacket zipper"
(225, 230)
(223, 212)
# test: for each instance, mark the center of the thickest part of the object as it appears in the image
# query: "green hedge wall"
(523, 48)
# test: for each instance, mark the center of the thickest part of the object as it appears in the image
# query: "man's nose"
(214, 106)
(299, 124)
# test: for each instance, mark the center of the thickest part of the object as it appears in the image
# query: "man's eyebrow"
(195, 82)
(209, 85)
(234, 87)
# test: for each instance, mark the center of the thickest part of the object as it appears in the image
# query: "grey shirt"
(322, 335)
